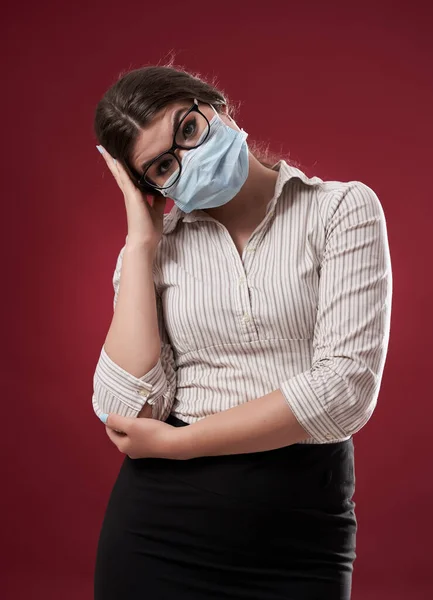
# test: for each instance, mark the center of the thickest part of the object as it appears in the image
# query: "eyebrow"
(176, 120)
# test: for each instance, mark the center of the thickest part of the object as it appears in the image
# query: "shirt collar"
(285, 173)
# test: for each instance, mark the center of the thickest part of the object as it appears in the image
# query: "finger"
(113, 434)
(119, 423)
(125, 177)
(120, 440)
(115, 437)
(112, 164)
(122, 177)
(106, 156)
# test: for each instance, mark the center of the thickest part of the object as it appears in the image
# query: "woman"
(250, 331)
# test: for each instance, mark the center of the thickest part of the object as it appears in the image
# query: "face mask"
(213, 173)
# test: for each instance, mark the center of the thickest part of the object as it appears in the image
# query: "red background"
(347, 91)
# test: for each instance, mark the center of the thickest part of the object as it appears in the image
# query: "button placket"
(144, 392)
(245, 302)
(247, 325)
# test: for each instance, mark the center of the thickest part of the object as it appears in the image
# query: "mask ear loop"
(218, 114)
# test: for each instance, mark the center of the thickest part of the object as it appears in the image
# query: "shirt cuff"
(120, 392)
(308, 410)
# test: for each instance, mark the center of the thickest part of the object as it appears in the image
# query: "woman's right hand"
(145, 221)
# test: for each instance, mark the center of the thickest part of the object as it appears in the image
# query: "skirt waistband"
(172, 420)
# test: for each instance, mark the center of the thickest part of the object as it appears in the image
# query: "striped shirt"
(306, 309)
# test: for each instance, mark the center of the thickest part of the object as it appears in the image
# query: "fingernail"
(100, 149)
(104, 417)
(115, 161)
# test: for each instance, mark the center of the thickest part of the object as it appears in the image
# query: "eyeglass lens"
(191, 132)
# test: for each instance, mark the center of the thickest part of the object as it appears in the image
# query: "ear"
(223, 111)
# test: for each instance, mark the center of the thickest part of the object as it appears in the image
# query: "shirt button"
(246, 317)
(242, 280)
(144, 393)
(329, 436)
(251, 249)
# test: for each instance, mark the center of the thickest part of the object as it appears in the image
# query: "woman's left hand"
(143, 438)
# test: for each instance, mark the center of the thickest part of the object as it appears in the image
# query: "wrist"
(179, 445)
(138, 245)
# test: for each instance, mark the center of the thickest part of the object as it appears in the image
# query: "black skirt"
(274, 525)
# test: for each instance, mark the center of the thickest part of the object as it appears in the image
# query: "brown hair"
(131, 102)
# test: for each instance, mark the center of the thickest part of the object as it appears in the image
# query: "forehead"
(157, 136)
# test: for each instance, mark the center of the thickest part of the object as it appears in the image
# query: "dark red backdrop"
(345, 90)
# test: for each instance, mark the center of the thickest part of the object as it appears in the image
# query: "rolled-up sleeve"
(117, 391)
(336, 397)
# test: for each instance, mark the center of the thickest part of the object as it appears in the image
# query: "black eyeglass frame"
(194, 108)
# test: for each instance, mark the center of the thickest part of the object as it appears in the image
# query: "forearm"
(133, 340)
(262, 424)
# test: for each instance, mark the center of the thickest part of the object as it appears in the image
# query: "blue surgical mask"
(213, 173)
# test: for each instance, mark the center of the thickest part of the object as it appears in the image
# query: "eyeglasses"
(191, 132)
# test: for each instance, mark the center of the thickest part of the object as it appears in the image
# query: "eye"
(189, 129)
(164, 166)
